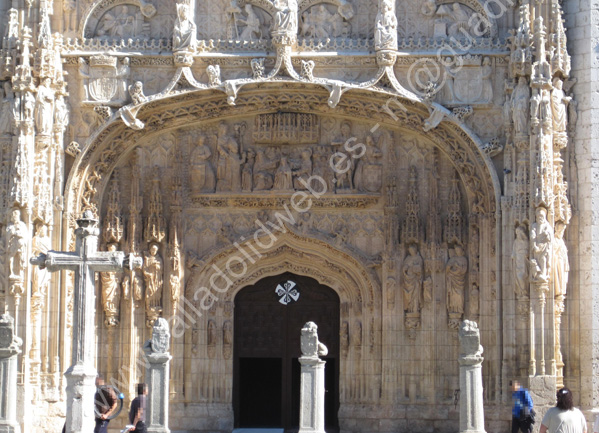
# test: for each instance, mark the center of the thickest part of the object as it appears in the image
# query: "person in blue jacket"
(522, 409)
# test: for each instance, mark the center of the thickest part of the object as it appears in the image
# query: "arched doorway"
(267, 347)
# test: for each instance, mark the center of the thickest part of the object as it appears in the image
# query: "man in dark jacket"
(137, 413)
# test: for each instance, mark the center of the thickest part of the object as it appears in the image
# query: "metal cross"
(85, 262)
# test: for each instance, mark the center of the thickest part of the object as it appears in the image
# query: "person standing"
(522, 410)
(137, 413)
(564, 417)
(105, 402)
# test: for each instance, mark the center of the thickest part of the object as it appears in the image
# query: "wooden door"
(267, 347)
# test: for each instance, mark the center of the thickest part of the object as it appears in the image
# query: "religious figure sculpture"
(562, 263)
(520, 255)
(265, 164)
(184, 34)
(111, 293)
(202, 172)
(286, 18)
(61, 113)
(369, 170)
(487, 81)
(456, 270)
(17, 235)
(252, 24)
(412, 270)
(228, 172)
(541, 236)
(7, 112)
(247, 172)
(40, 278)
(69, 8)
(385, 36)
(303, 173)
(559, 106)
(283, 175)
(44, 108)
(152, 273)
(520, 107)
(310, 346)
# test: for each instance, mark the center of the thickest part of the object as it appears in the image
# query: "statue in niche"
(40, 279)
(7, 112)
(303, 173)
(369, 170)
(487, 81)
(412, 269)
(541, 236)
(559, 106)
(247, 172)
(265, 164)
(228, 172)
(456, 270)
(17, 234)
(520, 256)
(520, 106)
(152, 273)
(545, 108)
(562, 263)
(286, 18)
(252, 30)
(385, 36)
(44, 108)
(283, 175)
(111, 293)
(202, 172)
(184, 34)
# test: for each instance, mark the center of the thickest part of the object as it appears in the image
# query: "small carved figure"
(562, 263)
(44, 108)
(228, 173)
(283, 175)
(412, 269)
(136, 91)
(520, 106)
(152, 273)
(456, 270)
(119, 24)
(61, 113)
(7, 112)
(252, 24)
(311, 347)
(111, 293)
(541, 236)
(213, 72)
(385, 36)
(202, 172)
(286, 18)
(487, 81)
(247, 172)
(69, 8)
(303, 173)
(161, 336)
(559, 106)
(17, 234)
(263, 169)
(369, 169)
(184, 34)
(520, 255)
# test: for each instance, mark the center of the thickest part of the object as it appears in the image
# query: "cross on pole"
(85, 262)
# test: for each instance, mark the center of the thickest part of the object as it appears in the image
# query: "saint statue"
(559, 106)
(412, 269)
(487, 81)
(286, 18)
(184, 34)
(456, 270)
(152, 273)
(228, 172)
(284, 176)
(541, 236)
(44, 108)
(520, 107)
(111, 293)
(562, 263)
(303, 173)
(7, 112)
(520, 255)
(202, 172)
(385, 36)
(17, 235)
(247, 173)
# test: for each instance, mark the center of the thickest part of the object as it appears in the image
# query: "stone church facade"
(399, 166)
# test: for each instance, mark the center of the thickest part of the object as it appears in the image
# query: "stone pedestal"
(312, 381)
(10, 348)
(81, 388)
(472, 416)
(157, 378)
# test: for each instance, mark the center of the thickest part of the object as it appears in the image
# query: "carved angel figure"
(184, 34)
(412, 269)
(456, 270)
(541, 236)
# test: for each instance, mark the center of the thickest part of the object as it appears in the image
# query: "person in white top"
(564, 417)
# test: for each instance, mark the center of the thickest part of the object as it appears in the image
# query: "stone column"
(312, 381)
(157, 377)
(9, 350)
(472, 416)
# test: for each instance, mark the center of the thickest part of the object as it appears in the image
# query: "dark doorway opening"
(266, 383)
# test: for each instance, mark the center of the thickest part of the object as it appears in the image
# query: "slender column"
(472, 416)
(10, 348)
(312, 381)
(157, 377)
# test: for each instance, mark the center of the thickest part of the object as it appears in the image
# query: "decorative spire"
(454, 224)
(155, 227)
(113, 231)
(411, 226)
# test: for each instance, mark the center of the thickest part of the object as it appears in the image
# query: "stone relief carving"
(310, 345)
(17, 235)
(105, 79)
(252, 23)
(122, 22)
(469, 80)
(111, 293)
(320, 23)
(455, 21)
(385, 36)
(412, 270)
(40, 279)
(228, 171)
(153, 277)
(541, 237)
(369, 169)
(286, 19)
(44, 108)
(562, 262)
(184, 35)
(456, 275)
(202, 173)
(520, 262)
